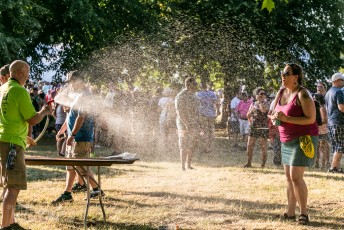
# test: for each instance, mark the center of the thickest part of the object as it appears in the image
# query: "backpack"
(318, 114)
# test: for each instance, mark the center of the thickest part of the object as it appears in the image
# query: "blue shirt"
(208, 101)
(85, 133)
(333, 98)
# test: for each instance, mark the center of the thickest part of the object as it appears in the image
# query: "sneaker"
(79, 188)
(15, 226)
(335, 170)
(95, 194)
(65, 197)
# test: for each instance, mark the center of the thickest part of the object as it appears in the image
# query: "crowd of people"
(245, 110)
(303, 127)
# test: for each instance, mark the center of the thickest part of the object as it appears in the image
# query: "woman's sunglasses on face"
(285, 74)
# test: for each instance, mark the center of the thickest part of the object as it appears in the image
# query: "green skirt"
(293, 155)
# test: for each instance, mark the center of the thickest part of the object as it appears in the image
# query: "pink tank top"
(290, 131)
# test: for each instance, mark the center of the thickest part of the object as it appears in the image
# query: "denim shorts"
(293, 155)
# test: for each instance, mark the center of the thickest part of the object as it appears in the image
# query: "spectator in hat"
(334, 100)
(4, 74)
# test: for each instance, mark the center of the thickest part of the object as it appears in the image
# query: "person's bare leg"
(263, 145)
(249, 152)
(211, 138)
(8, 206)
(182, 158)
(326, 151)
(70, 177)
(300, 188)
(92, 180)
(290, 192)
(336, 160)
(189, 158)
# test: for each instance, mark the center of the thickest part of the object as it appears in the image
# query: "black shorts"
(259, 132)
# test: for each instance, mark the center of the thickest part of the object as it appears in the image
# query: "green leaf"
(268, 4)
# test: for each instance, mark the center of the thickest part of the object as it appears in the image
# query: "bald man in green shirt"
(16, 113)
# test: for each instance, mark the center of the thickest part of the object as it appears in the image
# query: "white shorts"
(244, 127)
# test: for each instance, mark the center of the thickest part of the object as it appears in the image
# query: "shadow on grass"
(45, 173)
(96, 224)
(113, 202)
(248, 213)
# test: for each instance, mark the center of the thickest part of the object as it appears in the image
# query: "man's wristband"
(73, 135)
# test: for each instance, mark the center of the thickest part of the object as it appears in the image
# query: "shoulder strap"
(277, 98)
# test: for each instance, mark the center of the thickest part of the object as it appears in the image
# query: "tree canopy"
(156, 41)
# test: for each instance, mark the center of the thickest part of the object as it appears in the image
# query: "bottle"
(11, 159)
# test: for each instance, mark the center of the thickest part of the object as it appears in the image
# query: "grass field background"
(154, 191)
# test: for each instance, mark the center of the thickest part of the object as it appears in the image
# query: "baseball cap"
(337, 76)
(5, 70)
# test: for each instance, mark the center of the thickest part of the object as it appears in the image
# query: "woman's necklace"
(290, 95)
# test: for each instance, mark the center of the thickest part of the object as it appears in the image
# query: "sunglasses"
(285, 74)
(261, 94)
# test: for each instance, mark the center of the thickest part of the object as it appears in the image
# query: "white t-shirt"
(163, 105)
(234, 103)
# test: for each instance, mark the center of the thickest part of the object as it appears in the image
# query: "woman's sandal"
(285, 217)
(290, 218)
(303, 219)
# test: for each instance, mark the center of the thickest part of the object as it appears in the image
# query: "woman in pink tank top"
(295, 110)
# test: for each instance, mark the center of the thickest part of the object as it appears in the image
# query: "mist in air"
(126, 81)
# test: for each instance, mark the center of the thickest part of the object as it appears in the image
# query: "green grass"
(218, 194)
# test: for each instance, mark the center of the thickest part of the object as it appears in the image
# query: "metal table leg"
(100, 196)
(88, 198)
(88, 191)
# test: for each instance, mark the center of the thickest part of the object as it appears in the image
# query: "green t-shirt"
(15, 109)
